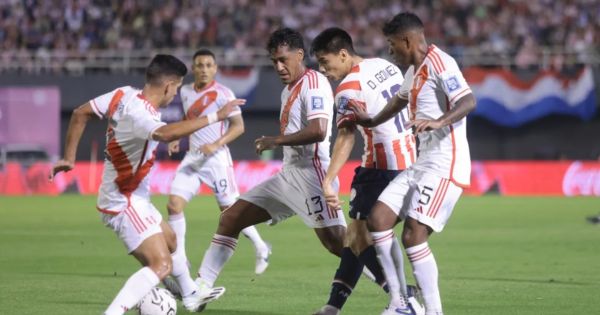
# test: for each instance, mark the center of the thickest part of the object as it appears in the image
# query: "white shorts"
(134, 224)
(194, 170)
(425, 197)
(296, 190)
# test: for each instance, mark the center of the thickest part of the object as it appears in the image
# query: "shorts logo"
(452, 84)
(317, 102)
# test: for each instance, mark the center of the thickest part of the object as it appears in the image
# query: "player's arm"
(173, 131)
(79, 119)
(316, 131)
(464, 106)
(344, 142)
(236, 129)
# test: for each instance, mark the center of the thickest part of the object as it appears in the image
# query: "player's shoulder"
(315, 80)
(187, 88)
(440, 60)
(223, 89)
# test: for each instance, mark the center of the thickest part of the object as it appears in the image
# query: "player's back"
(438, 84)
(129, 153)
(201, 102)
(371, 84)
(310, 97)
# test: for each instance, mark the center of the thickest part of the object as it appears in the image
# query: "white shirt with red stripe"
(437, 85)
(208, 100)
(372, 83)
(130, 150)
(310, 97)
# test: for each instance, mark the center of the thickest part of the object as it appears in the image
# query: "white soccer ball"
(158, 302)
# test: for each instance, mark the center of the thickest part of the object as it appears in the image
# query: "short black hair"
(163, 66)
(204, 52)
(402, 22)
(285, 37)
(332, 40)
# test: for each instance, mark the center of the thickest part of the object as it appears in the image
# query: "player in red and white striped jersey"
(134, 129)
(426, 193)
(388, 149)
(208, 160)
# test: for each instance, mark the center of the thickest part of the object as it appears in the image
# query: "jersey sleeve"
(227, 96)
(318, 98)
(404, 91)
(342, 98)
(453, 82)
(102, 104)
(145, 123)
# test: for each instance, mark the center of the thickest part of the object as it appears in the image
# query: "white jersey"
(310, 97)
(437, 85)
(371, 84)
(208, 100)
(130, 150)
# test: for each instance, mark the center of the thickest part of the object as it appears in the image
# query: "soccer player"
(208, 159)
(134, 129)
(389, 149)
(305, 128)
(424, 194)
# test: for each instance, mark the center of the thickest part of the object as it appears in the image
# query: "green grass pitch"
(497, 255)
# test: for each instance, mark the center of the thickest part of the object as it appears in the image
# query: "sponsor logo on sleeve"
(317, 102)
(452, 84)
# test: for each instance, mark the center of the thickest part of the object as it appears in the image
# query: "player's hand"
(61, 166)
(331, 196)
(264, 143)
(421, 125)
(360, 114)
(173, 147)
(209, 149)
(224, 111)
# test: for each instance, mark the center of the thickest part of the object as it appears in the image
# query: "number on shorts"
(222, 185)
(425, 192)
(316, 200)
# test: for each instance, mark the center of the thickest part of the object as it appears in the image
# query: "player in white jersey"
(134, 129)
(426, 193)
(208, 159)
(305, 127)
(388, 149)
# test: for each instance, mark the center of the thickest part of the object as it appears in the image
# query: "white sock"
(177, 223)
(252, 234)
(182, 274)
(383, 241)
(218, 253)
(136, 287)
(398, 257)
(426, 273)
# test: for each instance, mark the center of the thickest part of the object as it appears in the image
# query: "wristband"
(212, 118)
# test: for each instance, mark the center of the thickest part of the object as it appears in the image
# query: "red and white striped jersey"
(308, 98)
(208, 100)
(437, 85)
(372, 83)
(130, 150)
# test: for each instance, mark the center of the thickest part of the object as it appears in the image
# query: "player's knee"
(162, 266)
(174, 207)
(228, 224)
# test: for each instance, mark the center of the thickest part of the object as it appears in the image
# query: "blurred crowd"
(515, 27)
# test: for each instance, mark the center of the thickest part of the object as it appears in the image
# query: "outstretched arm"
(391, 109)
(316, 131)
(464, 106)
(236, 129)
(184, 128)
(79, 119)
(344, 142)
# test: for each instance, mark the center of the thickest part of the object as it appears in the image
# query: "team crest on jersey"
(317, 102)
(452, 84)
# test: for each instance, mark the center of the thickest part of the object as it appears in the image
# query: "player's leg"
(435, 205)
(226, 192)
(233, 220)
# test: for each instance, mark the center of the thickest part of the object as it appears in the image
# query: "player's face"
(205, 69)
(333, 66)
(399, 47)
(171, 88)
(287, 63)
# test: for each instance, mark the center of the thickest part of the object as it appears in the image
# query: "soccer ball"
(158, 302)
